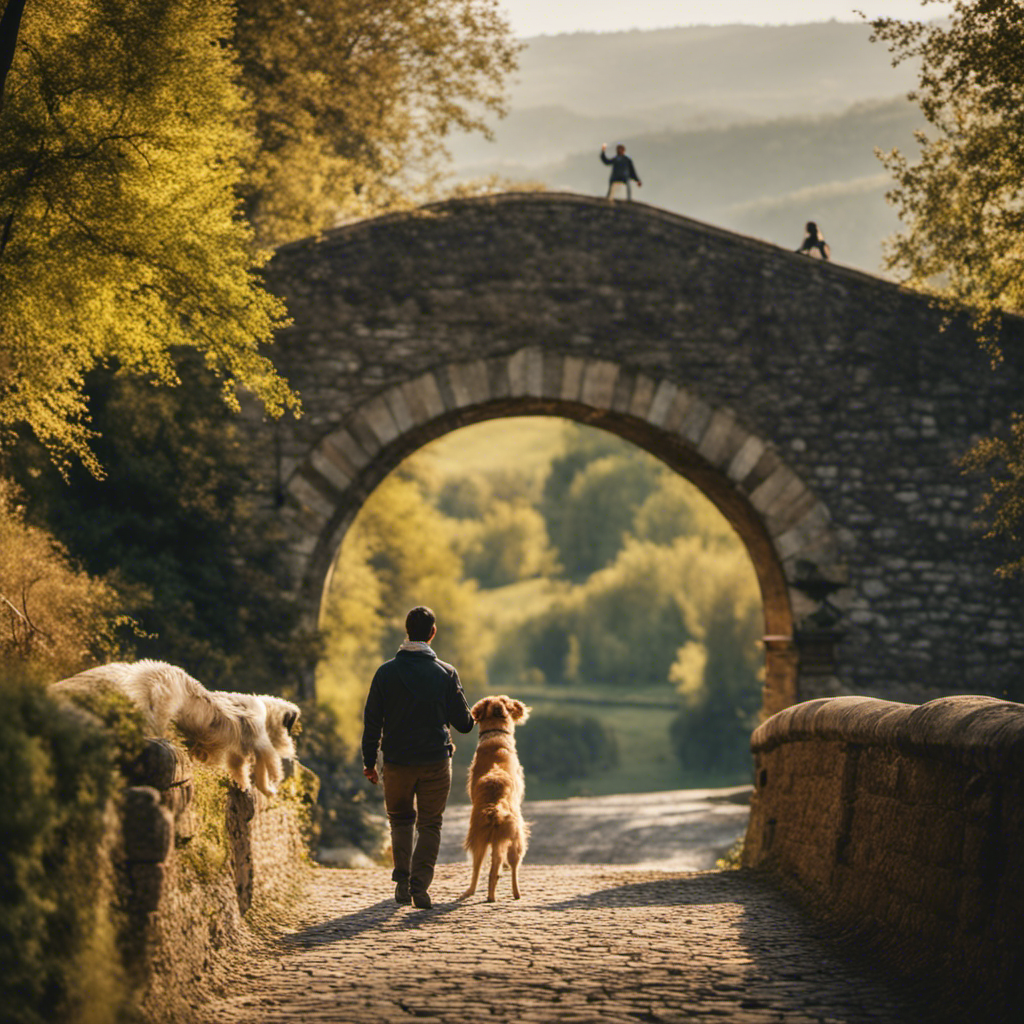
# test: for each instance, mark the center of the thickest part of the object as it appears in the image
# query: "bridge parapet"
(199, 858)
(906, 824)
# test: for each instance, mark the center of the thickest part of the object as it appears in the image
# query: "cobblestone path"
(587, 944)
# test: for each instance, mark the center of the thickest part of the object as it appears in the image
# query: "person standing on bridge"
(413, 699)
(622, 171)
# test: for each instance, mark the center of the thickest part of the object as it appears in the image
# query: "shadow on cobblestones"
(340, 929)
(697, 890)
(585, 945)
(439, 911)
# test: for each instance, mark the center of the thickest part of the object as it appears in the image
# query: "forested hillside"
(586, 578)
(756, 129)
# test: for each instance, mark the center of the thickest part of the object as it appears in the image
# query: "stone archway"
(784, 527)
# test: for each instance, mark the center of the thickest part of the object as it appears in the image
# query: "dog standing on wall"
(247, 733)
(496, 789)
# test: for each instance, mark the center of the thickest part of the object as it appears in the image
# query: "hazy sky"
(539, 17)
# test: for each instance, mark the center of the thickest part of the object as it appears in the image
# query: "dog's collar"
(488, 732)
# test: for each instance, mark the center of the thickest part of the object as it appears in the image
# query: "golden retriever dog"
(496, 787)
(247, 733)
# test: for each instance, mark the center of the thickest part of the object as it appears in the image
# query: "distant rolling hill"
(756, 129)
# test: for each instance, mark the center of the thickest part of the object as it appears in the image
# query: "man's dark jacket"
(413, 699)
(622, 167)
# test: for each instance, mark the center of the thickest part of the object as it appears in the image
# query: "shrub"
(348, 810)
(556, 747)
(53, 616)
(57, 938)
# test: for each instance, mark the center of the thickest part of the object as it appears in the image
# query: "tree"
(172, 528)
(508, 543)
(120, 238)
(352, 100)
(717, 676)
(963, 203)
(627, 617)
(594, 514)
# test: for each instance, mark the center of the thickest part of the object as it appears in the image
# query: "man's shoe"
(402, 894)
(422, 900)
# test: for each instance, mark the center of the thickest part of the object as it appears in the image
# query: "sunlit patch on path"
(587, 943)
(679, 830)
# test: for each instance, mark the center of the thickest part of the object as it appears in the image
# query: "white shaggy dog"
(245, 732)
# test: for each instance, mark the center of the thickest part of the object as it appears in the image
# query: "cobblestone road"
(587, 943)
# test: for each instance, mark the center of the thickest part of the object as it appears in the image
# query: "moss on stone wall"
(94, 928)
(207, 853)
(118, 714)
(58, 778)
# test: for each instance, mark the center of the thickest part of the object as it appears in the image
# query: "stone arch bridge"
(821, 409)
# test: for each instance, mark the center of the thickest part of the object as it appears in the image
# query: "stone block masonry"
(821, 409)
(906, 824)
(201, 860)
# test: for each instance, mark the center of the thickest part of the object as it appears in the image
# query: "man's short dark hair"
(419, 623)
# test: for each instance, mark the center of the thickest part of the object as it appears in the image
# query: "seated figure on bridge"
(622, 171)
(814, 239)
(413, 699)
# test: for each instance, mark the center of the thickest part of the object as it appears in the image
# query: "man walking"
(413, 699)
(622, 170)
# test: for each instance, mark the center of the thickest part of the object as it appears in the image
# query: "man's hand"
(604, 146)
(639, 183)
(371, 774)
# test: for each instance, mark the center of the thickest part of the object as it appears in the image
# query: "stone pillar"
(241, 810)
(148, 832)
(781, 674)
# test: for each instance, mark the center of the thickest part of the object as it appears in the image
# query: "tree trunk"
(10, 22)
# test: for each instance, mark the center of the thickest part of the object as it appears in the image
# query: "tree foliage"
(507, 544)
(717, 674)
(963, 201)
(1003, 459)
(558, 747)
(352, 100)
(172, 528)
(591, 496)
(121, 142)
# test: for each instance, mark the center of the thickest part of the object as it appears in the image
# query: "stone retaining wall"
(905, 823)
(200, 860)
